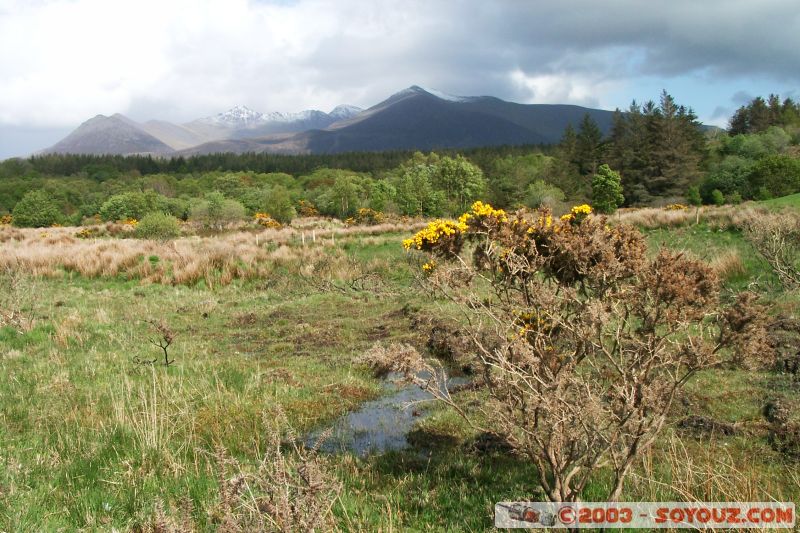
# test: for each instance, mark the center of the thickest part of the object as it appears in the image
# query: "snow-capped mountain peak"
(416, 89)
(243, 118)
(238, 116)
(345, 111)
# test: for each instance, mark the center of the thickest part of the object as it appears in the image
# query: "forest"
(660, 150)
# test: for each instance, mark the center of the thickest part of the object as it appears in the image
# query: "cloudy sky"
(64, 61)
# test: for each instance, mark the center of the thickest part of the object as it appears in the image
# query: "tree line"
(655, 153)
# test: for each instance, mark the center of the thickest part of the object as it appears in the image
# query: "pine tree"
(588, 145)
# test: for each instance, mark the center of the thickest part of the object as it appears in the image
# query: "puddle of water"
(380, 425)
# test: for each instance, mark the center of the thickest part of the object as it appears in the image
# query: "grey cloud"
(359, 53)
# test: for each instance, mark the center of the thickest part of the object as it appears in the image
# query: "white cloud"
(64, 61)
(73, 59)
(562, 88)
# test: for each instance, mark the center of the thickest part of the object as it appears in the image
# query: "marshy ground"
(91, 438)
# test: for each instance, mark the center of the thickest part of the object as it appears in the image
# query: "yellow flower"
(583, 209)
(577, 214)
(480, 209)
(434, 233)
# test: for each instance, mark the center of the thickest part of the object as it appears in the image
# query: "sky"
(65, 61)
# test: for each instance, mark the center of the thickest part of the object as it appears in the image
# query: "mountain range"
(412, 119)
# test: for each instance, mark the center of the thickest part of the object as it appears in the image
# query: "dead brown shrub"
(776, 237)
(583, 342)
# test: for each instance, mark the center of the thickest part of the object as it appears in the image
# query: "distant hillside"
(420, 119)
(412, 119)
(113, 135)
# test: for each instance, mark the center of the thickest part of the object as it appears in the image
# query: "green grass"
(708, 243)
(89, 440)
(793, 201)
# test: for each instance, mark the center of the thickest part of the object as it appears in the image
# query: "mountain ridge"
(414, 118)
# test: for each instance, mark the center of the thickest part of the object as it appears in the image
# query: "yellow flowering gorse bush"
(87, 233)
(435, 234)
(582, 338)
(266, 220)
(307, 209)
(365, 217)
(482, 210)
(577, 214)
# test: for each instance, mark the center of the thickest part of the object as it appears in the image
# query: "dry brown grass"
(729, 265)
(18, 292)
(216, 259)
(68, 330)
(703, 473)
(727, 216)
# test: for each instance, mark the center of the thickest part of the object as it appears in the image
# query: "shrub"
(36, 210)
(307, 209)
(776, 237)
(280, 205)
(160, 226)
(543, 194)
(215, 210)
(365, 217)
(266, 221)
(129, 205)
(583, 342)
(88, 233)
(717, 198)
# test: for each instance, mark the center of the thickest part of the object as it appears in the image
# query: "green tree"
(606, 190)
(511, 176)
(461, 182)
(717, 198)
(693, 196)
(415, 192)
(215, 210)
(778, 173)
(343, 198)
(214, 202)
(36, 209)
(280, 205)
(381, 195)
(588, 145)
(568, 147)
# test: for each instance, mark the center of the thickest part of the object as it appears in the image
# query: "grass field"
(793, 201)
(91, 439)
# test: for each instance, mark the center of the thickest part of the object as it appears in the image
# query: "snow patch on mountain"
(344, 111)
(241, 117)
(237, 117)
(416, 89)
(445, 96)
